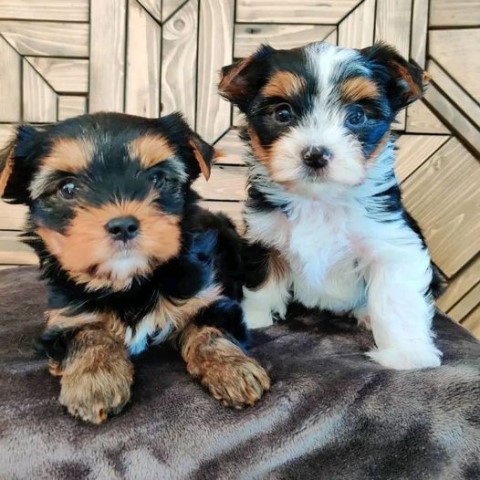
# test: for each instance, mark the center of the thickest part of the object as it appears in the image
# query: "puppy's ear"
(15, 171)
(404, 81)
(204, 153)
(240, 82)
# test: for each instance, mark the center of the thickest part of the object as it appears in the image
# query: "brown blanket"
(331, 413)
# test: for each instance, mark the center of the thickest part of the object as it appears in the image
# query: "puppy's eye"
(68, 188)
(283, 114)
(158, 179)
(356, 118)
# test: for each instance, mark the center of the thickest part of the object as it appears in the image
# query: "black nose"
(123, 228)
(316, 157)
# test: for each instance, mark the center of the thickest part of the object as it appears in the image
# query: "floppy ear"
(204, 153)
(241, 81)
(405, 82)
(15, 172)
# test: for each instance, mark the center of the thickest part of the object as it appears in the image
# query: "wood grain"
(153, 7)
(215, 49)
(460, 285)
(169, 6)
(472, 322)
(357, 29)
(454, 92)
(392, 24)
(453, 117)
(39, 100)
(226, 183)
(233, 149)
(447, 214)
(450, 48)
(248, 37)
(414, 150)
(10, 80)
(300, 11)
(445, 13)
(65, 75)
(12, 217)
(71, 106)
(56, 39)
(13, 252)
(466, 305)
(143, 62)
(179, 62)
(420, 119)
(418, 47)
(60, 10)
(107, 55)
(6, 133)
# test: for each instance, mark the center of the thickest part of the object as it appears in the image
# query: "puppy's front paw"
(425, 356)
(94, 395)
(235, 380)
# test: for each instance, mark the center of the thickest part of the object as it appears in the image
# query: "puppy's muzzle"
(123, 228)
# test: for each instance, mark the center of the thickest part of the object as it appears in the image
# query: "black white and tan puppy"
(325, 222)
(129, 257)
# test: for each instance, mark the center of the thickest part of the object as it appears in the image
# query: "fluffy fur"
(129, 257)
(325, 222)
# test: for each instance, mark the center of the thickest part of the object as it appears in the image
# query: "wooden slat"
(332, 38)
(179, 58)
(56, 39)
(450, 48)
(420, 119)
(462, 283)
(13, 252)
(248, 37)
(233, 148)
(153, 7)
(453, 90)
(214, 50)
(226, 183)
(413, 150)
(39, 100)
(356, 30)
(71, 106)
(466, 304)
(59, 10)
(299, 11)
(10, 80)
(169, 6)
(6, 133)
(107, 52)
(418, 47)
(12, 217)
(453, 117)
(392, 24)
(143, 63)
(232, 209)
(443, 196)
(65, 75)
(472, 322)
(445, 13)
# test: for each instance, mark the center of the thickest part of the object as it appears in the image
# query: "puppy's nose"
(316, 157)
(122, 228)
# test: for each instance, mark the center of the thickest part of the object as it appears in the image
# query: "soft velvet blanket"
(331, 412)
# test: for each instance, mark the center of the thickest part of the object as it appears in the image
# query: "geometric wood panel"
(63, 58)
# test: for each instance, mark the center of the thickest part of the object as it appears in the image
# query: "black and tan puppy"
(129, 257)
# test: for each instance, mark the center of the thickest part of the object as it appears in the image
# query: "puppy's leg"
(400, 312)
(267, 291)
(217, 362)
(96, 373)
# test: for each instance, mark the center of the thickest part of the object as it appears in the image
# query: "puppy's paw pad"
(237, 382)
(405, 359)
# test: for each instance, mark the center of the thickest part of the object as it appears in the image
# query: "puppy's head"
(320, 113)
(106, 192)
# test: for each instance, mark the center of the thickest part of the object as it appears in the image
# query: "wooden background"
(61, 58)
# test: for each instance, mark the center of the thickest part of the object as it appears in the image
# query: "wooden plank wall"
(59, 59)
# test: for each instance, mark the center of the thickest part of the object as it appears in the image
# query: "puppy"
(129, 257)
(325, 222)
